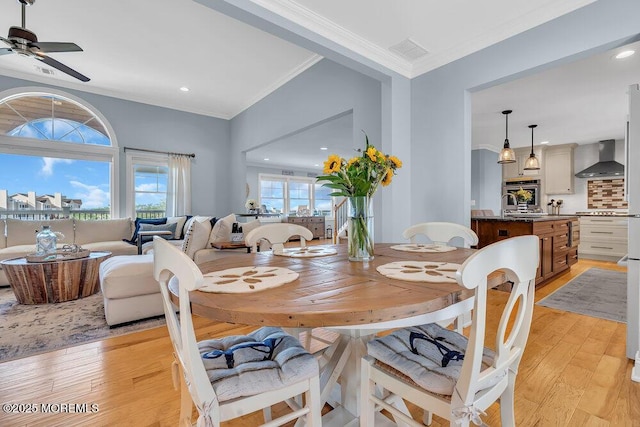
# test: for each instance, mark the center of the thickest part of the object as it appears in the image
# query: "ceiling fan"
(25, 43)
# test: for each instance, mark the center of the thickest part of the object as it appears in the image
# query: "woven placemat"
(422, 247)
(247, 279)
(420, 271)
(308, 252)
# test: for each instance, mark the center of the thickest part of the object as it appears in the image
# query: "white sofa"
(129, 290)
(18, 237)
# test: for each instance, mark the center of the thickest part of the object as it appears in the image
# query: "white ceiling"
(581, 102)
(146, 50)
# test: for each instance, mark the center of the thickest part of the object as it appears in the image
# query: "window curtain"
(179, 183)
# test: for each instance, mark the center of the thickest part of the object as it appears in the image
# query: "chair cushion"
(116, 247)
(251, 374)
(425, 368)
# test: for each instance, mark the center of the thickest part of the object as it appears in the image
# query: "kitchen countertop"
(523, 219)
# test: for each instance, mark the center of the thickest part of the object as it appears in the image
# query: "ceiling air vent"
(288, 173)
(409, 50)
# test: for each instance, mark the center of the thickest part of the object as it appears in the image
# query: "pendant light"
(506, 154)
(532, 162)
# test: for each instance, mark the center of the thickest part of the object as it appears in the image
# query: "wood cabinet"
(314, 223)
(603, 238)
(558, 169)
(514, 170)
(558, 240)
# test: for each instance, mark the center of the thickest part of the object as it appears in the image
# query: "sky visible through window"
(76, 179)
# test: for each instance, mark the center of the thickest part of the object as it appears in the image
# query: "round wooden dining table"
(332, 292)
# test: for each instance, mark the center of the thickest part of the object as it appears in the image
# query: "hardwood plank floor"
(574, 373)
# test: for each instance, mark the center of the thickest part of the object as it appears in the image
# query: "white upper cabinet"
(558, 169)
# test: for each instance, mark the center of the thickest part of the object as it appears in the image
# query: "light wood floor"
(574, 373)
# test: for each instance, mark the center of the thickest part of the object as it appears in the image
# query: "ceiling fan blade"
(46, 47)
(60, 66)
(4, 51)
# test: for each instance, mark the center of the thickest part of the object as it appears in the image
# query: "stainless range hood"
(606, 166)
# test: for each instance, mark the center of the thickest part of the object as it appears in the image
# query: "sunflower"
(372, 153)
(387, 178)
(352, 161)
(397, 163)
(332, 164)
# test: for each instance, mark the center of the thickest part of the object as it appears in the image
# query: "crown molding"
(328, 29)
(488, 147)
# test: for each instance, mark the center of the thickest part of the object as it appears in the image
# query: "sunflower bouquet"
(358, 179)
(523, 195)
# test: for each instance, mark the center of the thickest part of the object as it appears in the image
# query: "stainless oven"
(511, 186)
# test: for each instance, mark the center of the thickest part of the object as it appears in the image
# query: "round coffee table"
(54, 281)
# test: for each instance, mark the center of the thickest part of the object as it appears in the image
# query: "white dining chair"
(446, 373)
(230, 377)
(442, 233)
(277, 234)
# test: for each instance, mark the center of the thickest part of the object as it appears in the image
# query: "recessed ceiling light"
(544, 142)
(316, 165)
(323, 148)
(266, 159)
(625, 54)
(184, 89)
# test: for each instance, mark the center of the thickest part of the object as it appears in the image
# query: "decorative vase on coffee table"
(360, 229)
(523, 207)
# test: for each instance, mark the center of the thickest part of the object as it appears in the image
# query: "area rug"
(596, 293)
(26, 330)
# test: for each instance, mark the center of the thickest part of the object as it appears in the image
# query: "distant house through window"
(57, 147)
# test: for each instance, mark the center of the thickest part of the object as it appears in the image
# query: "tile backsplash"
(606, 194)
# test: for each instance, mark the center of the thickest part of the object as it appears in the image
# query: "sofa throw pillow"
(221, 232)
(196, 237)
(158, 227)
(156, 221)
(179, 221)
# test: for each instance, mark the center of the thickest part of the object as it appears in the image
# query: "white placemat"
(422, 247)
(247, 279)
(420, 271)
(307, 252)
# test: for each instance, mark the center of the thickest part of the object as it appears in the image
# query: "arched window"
(58, 148)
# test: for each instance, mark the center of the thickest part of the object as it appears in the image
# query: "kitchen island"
(559, 237)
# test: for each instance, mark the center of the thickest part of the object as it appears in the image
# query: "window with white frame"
(147, 178)
(287, 194)
(81, 153)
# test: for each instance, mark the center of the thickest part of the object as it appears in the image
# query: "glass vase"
(360, 229)
(46, 241)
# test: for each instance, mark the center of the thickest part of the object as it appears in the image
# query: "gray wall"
(323, 91)
(486, 180)
(440, 108)
(139, 125)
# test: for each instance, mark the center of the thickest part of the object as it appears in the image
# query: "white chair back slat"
(277, 234)
(441, 233)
